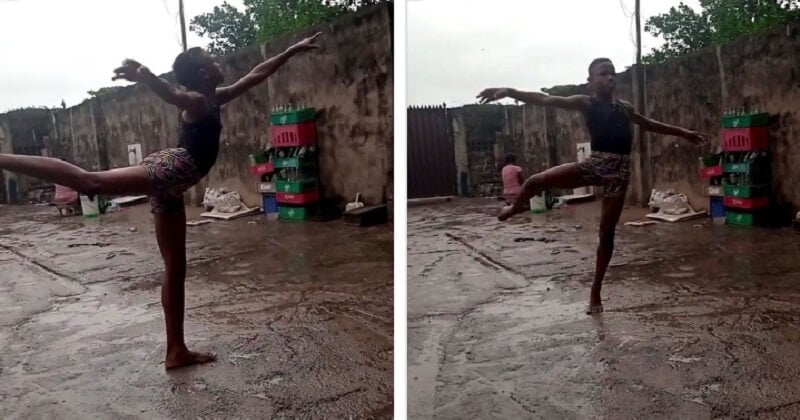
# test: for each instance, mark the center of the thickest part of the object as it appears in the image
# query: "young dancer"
(609, 123)
(167, 174)
(512, 179)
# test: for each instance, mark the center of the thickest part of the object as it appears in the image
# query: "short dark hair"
(511, 158)
(187, 67)
(597, 61)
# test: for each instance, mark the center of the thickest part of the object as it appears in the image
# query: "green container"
(296, 187)
(258, 159)
(750, 191)
(293, 117)
(295, 212)
(740, 218)
(711, 160)
(746, 120)
(743, 168)
(294, 162)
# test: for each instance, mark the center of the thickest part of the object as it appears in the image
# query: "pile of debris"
(670, 206)
(226, 205)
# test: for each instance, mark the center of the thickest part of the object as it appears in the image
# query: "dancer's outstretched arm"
(574, 102)
(192, 102)
(654, 126)
(261, 72)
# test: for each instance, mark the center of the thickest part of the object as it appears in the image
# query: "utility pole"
(183, 22)
(638, 14)
(639, 102)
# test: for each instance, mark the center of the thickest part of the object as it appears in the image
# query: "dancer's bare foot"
(508, 211)
(184, 357)
(594, 308)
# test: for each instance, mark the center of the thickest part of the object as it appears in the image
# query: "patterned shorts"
(171, 172)
(610, 170)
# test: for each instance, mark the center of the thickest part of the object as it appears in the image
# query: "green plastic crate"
(749, 191)
(294, 117)
(746, 120)
(296, 187)
(295, 212)
(740, 218)
(294, 162)
(258, 159)
(743, 168)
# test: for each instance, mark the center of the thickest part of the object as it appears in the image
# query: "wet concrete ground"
(299, 315)
(700, 322)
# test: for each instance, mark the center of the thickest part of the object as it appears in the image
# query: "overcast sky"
(60, 49)
(458, 47)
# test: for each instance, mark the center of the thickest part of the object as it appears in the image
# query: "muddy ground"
(299, 314)
(701, 321)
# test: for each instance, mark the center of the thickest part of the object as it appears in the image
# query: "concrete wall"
(761, 72)
(349, 81)
(475, 131)
(5, 147)
(23, 131)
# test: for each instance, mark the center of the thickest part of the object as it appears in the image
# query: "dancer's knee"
(175, 274)
(174, 270)
(90, 183)
(607, 238)
(533, 185)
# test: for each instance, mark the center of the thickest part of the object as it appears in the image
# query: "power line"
(632, 17)
(625, 11)
(174, 19)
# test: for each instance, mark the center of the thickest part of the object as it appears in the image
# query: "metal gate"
(431, 153)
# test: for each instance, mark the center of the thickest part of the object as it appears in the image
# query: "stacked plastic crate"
(711, 171)
(262, 166)
(746, 167)
(294, 139)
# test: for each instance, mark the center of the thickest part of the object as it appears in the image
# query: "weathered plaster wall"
(475, 131)
(349, 80)
(5, 147)
(27, 132)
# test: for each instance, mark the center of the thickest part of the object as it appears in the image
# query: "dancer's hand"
(493, 94)
(697, 138)
(131, 70)
(307, 44)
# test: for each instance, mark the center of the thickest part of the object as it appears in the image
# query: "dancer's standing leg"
(171, 236)
(609, 218)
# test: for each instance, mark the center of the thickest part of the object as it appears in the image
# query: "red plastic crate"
(262, 169)
(293, 135)
(745, 139)
(301, 198)
(747, 203)
(711, 171)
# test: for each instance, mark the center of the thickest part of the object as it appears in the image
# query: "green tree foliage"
(719, 21)
(263, 20)
(227, 27)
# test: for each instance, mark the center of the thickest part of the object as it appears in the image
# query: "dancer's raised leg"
(569, 175)
(130, 180)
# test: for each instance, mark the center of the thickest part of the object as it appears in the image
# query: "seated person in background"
(512, 179)
(65, 195)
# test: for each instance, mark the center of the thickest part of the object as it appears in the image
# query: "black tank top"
(201, 139)
(609, 127)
